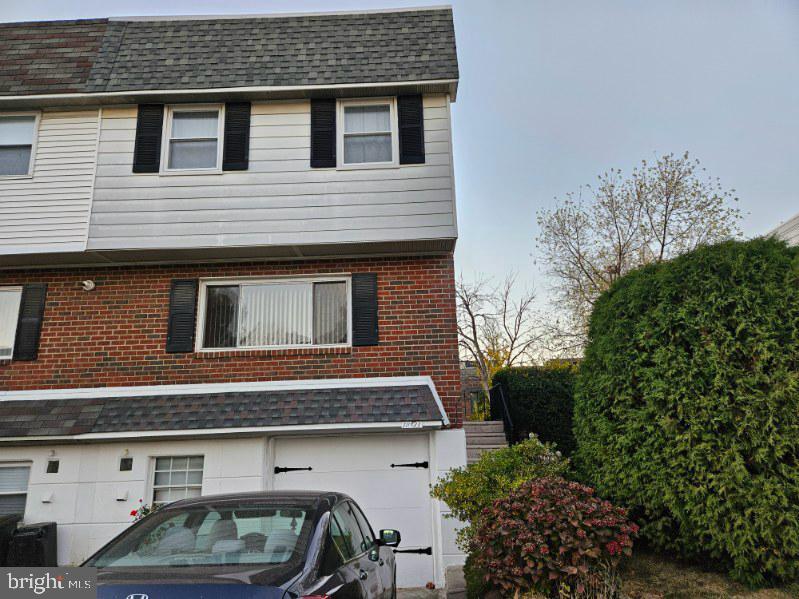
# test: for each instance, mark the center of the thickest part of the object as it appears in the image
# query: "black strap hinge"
(281, 469)
(424, 551)
(412, 465)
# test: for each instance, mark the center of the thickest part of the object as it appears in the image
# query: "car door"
(384, 555)
(365, 563)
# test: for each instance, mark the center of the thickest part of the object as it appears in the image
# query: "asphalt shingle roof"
(304, 50)
(76, 416)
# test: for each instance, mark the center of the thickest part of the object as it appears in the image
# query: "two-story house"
(226, 264)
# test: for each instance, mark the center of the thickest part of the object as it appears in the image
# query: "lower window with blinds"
(13, 488)
(274, 313)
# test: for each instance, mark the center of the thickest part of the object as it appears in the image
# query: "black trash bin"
(34, 545)
(8, 524)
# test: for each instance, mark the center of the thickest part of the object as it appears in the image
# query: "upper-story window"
(17, 134)
(369, 132)
(274, 313)
(193, 135)
(10, 298)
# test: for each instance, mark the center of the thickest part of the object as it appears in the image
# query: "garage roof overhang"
(219, 410)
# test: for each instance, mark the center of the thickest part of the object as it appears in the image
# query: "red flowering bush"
(551, 535)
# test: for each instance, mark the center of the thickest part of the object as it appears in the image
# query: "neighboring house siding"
(116, 334)
(49, 212)
(280, 200)
(789, 231)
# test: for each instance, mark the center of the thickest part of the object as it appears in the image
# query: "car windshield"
(212, 535)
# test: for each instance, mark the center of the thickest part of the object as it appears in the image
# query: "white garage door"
(360, 466)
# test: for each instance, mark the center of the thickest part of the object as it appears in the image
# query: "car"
(265, 545)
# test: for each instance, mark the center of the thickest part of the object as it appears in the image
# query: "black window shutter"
(364, 309)
(236, 152)
(323, 133)
(182, 316)
(147, 151)
(410, 115)
(29, 324)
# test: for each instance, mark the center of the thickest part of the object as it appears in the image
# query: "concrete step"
(483, 439)
(486, 426)
(473, 453)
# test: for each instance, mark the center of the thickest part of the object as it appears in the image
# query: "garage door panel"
(393, 489)
(360, 466)
(336, 453)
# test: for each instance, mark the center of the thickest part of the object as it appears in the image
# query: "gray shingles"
(377, 47)
(217, 410)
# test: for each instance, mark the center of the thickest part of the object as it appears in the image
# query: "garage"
(387, 474)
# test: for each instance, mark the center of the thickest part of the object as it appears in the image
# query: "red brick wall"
(116, 334)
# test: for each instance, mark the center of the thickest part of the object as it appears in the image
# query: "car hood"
(195, 582)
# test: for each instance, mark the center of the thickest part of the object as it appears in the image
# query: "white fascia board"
(257, 89)
(141, 390)
(227, 432)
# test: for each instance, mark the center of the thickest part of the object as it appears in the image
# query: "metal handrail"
(507, 421)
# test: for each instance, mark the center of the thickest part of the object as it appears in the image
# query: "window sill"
(13, 177)
(191, 172)
(268, 353)
(367, 166)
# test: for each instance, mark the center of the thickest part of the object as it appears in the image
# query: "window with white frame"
(17, 134)
(275, 313)
(193, 135)
(10, 298)
(369, 132)
(13, 488)
(176, 478)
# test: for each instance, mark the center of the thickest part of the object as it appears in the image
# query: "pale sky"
(552, 93)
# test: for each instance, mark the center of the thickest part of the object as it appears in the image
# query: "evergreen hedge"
(687, 405)
(541, 401)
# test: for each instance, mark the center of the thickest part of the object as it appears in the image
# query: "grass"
(654, 576)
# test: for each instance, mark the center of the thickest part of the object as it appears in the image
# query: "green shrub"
(467, 491)
(687, 405)
(477, 586)
(540, 401)
(551, 535)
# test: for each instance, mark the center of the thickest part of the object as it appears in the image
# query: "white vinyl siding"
(280, 200)
(48, 211)
(788, 231)
(10, 298)
(177, 478)
(13, 488)
(258, 314)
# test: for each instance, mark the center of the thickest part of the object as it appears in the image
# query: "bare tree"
(603, 232)
(497, 327)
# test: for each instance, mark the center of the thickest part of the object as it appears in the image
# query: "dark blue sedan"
(276, 545)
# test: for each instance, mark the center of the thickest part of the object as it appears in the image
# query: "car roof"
(315, 497)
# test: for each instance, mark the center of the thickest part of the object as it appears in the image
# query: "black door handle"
(363, 575)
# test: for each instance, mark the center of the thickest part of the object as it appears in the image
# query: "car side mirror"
(390, 537)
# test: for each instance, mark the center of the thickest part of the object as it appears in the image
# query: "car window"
(209, 535)
(366, 529)
(350, 540)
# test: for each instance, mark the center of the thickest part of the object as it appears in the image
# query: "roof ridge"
(281, 15)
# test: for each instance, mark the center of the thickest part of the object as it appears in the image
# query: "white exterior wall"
(788, 231)
(280, 200)
(91, 499)
(84, 492)
(49, 211)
